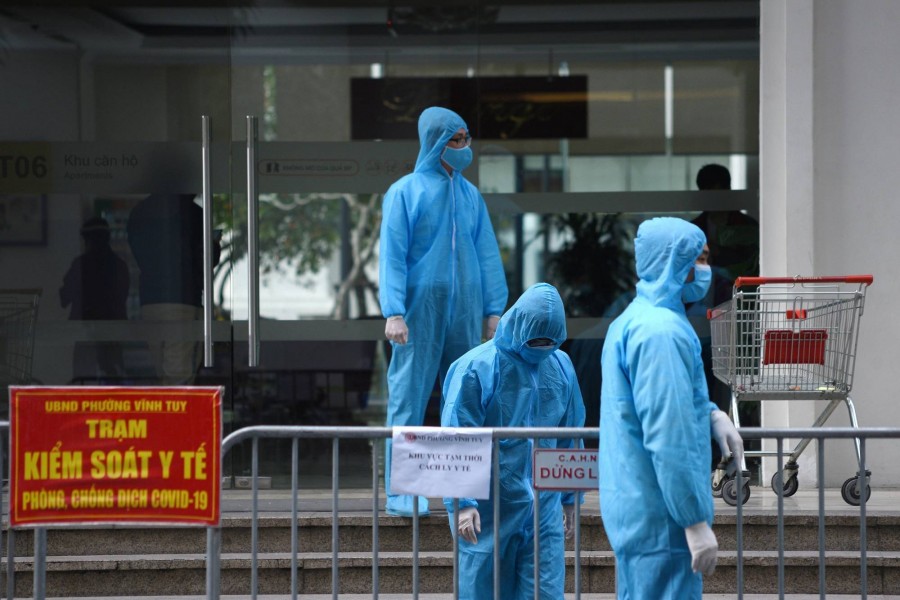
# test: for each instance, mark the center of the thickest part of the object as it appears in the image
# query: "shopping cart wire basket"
(789, 338)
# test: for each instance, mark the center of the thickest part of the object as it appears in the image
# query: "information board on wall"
(139, 455)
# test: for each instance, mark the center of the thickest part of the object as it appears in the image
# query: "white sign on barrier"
(441, 462)
(563, 470)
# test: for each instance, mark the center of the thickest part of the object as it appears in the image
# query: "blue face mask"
(696, 289)
(534, 351)
(458, 158)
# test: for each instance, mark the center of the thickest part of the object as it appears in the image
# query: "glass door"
(104, 168)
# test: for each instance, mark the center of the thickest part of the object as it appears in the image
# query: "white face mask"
(696, 289)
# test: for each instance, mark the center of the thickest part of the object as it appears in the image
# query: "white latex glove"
(469, 524)
(702, 542)
(569, 520)
(724, 432)
(490, 326)
(396, 330)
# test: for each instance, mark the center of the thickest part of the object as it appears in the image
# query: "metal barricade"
(336, 434)
(295, 433)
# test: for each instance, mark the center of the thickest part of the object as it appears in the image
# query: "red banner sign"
(115, 455)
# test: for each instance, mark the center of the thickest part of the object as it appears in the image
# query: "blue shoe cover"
(402, 506)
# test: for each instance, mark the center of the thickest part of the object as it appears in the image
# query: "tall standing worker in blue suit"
(440, 274)
(518, 379)
(655, 425)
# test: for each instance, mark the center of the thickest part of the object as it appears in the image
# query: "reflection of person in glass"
(165, 232)
(96, 287)
(655, 424)
(733, 237)
(440, 274)
(518, 379)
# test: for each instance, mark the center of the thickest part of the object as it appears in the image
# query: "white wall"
(830, 141)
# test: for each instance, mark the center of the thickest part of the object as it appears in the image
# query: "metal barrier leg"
(739, 532)
(10, 562)
(537, 545)
(213, 563)
(40, 563)
(335, 462)
(578, 546)
(495, 460)
(820, 447)
(863, 579)
(415, 549)
(295, 539)
(254, 526)
(375, 503)
(456, 549)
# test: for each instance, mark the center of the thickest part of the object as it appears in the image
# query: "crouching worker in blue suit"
(518, 379)
(655, 425)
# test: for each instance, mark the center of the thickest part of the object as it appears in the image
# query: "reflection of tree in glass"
(594, 264)
(300, 233)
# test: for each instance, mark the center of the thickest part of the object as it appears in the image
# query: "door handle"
(252, 243)
(207, 245)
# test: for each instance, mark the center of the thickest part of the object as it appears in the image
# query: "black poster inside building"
(493, 107)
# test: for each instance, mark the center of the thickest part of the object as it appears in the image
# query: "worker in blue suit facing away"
(655, 425)
(440, 275)
(518, 379)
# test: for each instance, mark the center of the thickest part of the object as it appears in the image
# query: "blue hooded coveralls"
(439, 268)
(504, 383)
(654, 423)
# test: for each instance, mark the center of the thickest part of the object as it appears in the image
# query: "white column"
(786, 173)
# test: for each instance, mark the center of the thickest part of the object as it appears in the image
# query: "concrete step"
(760, 532)
(176, 575)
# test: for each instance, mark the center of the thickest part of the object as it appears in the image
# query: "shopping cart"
(18, 314)
(782, 338)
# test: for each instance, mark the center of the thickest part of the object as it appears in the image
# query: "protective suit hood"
(538, 313)
(665, 250)
(436, 126)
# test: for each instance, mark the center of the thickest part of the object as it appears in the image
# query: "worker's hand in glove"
(569, 520)
(395, 330)
(469, 524)
(702, 542)
(490, 326)
(730, 442)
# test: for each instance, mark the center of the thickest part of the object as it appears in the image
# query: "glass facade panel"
(585, 121)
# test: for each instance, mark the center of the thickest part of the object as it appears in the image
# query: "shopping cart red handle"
(864, 279)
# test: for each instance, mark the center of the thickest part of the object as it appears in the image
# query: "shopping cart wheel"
(730, 494)
(789, 488)
(850, 491)
(716, 483)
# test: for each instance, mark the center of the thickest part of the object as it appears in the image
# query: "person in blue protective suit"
(440, 275)
(518, 379)
(655, 425)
